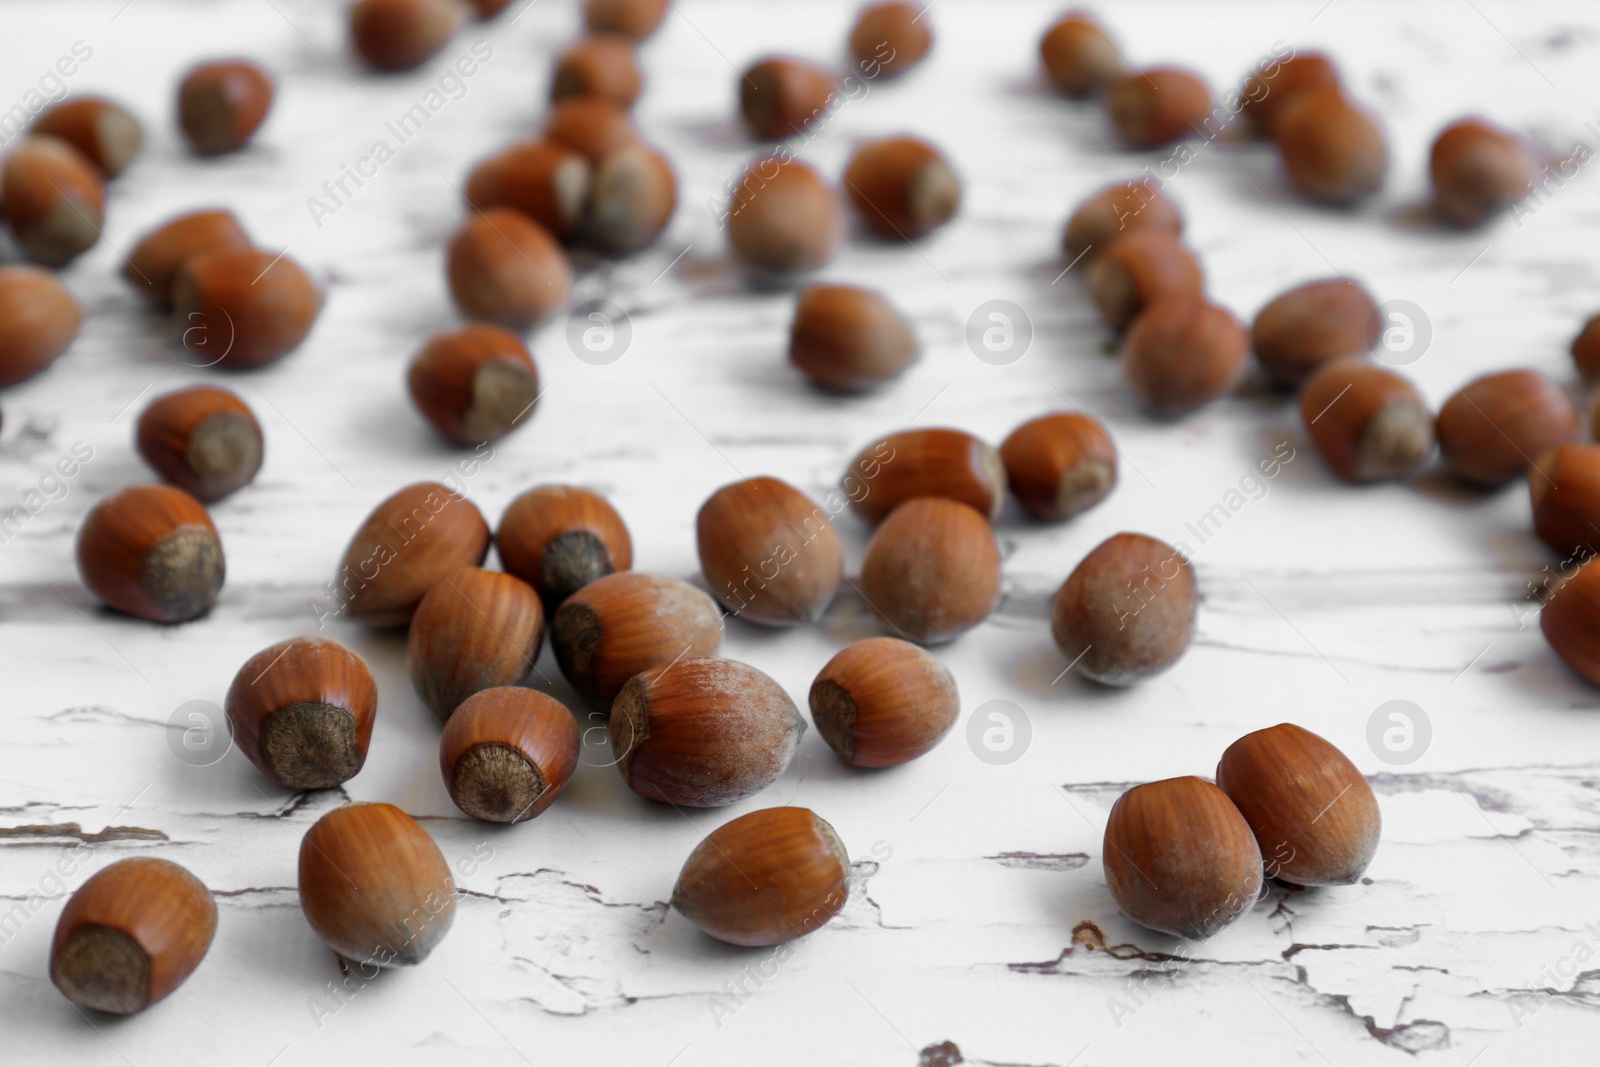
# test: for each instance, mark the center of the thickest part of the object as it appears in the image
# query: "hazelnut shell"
(937, 462)
(409, 541)
(1060, 464)
(152, 551)
(625, 623)
(506, 754)
(203, 439)
(848, 339)
(761, 525)
(882, 702)
(41, 317)
(1369, 423)
(222, 104)
(1495, 427)
(932, 570)
(1127, 610)
(474, 384)
(559, 538)
(474, 630)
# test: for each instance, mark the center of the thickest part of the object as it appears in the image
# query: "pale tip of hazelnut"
(311, 745)
(182, 572)
(502, 396)
(1083, 485)
(103, 968)
(1396, 439)
(496, 783)
(835, 715)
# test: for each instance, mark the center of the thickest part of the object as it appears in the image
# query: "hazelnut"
(1370, 424)
(1332, 150)
(932, 570)
(1127, 610)
(889, 38)
(302, 712)
(784, 218)
(1586, 349)
(41, 320)
(559, 538)
(393, 35)
(1268, 89)
(1116, 211)
(474, 630)
(106, 134)
(780, 96)
(223, 103)
(1315, 817)
(603, 65)
(410, 541)
(1060, 464)
(508, 753)
(1158, 106)
(54, 200)
(151, 551)
(546, 181)
(590, 126)
(1182, 352)
(475, 384)
(1079, 57)
(701, 733)
(1179, 857)
(882, 702)
(902, 187)
(914, 463)
(1479, 170)
(625, 623)
(765, 878)
(1570, 619)
(506, 269)
(849, 339)
(629, 18)
(768, 553)
(634, 194)
(374, 886)
(1564, 486)
(202, 439)
(242, 307)
(1494, 427)
(153, 264)
(1139, 269)
(131, 934)
(1313, 324)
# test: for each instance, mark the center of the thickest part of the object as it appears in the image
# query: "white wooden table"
(980, 917)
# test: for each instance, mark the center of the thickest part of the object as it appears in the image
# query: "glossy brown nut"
(1114, 212)
(302, 711)
(769, 554)
(765, 878)
(590, 126)
(1183, 352)
(1586, 349)
(882, 702)
(602, 64)
(152, 551)
(783, 218)
(781, 96)
(1370, 424)
(153, 264)
(1158, 106)
(1311, 325)
(701, 733)
(506, 754)
(1314, 816)
(629, 18)
(932, 570)
(634, 196)
(902, 187)
(507, 270)
(222, 104)
(1479, 170)
(848, 339)
(627, 623)
(937, 462)
(1139, 269)
(1179, 858)
(1267, 90)
(474, 630)
(1060, 464)
(1078, 55)
(559, 538)
(39, 320)
(1127, 611)
(1570, 618)
(374, 886)
(474, 384)
(393, 35)
(1494, 428)
(54, 200)
(203, 439)
(242, 307)
(546, 181)
(106, 133)
(131, 934)
(1332, 150)
(410, 541)
(889, 38)
(1564, 486)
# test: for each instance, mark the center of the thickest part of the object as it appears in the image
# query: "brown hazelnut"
(506, 753)
(1479, 170)
(784, 218)
(152, 551)
(106, 134)
(1313, 324)
(506, 269)
(1139, 269)
(1182, 352)
(1315, 818)
(765, 878)
(1269, 88)
(1586, 349)
(546, 181)
(1159, 105)
(1060, 464)
(1494, 428)
(634, 195)
(153, 264)
(889, 38)
(474, 384)
(1370, 424)
(1116, 211)
(629, 18)
(701, 733)
(591, 126)
(1179, 857)
(1079, 57)
(932, 570)
(848, 339)
(242, 307)
(1570, 618)
(902, 187)
(302, 711)
(559, 538)
(626, 623)
(39, 320)
(768, 553)
(410, 541)
(203, 439)
(53, 198)
(393, 35)
(882, 702)
(1127, 610)
(222, 104)
(474, 630)
(915, 463)
(602, 64)
(131, 934)
(780, 96)
(374, 886)
(1332, 150)
(1564, 486)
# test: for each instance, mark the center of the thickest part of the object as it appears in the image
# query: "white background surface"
(1321, 602)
